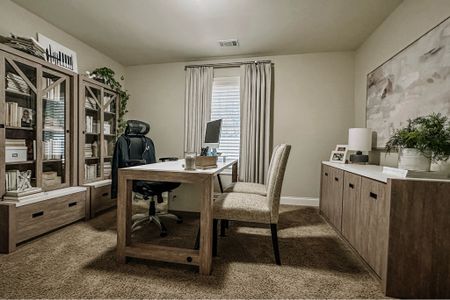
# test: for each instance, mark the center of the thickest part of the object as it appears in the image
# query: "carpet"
(78, 261)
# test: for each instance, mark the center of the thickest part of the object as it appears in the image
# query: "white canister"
(414, 160)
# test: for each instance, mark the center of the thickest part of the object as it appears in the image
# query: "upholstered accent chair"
(255, 207)
(250, 187)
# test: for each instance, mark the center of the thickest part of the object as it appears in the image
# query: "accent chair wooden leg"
(214, 247)
(276, 250)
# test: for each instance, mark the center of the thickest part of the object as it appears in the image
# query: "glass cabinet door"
(55, 136)
(20, 122)
(109, 131)
(93, 118)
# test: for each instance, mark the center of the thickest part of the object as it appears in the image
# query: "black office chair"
(133, 148)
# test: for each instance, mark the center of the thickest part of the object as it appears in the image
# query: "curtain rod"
(228, 65)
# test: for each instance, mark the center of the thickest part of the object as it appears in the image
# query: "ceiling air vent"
(229, 43)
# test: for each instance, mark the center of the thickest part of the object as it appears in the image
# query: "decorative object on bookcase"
(28, 45)
(106, 76)
(412, 83)
(423, 140)
(24, 181)
(59, 55)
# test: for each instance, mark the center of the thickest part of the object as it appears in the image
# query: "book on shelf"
(53, 149)
(107, 169)
(90, 103)
(106, 127)
(15, 83)
(54, 94)
(15, 142)
(90, 171)
(17, 116)
(91, 125)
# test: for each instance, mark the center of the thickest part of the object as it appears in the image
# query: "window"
(225, 105)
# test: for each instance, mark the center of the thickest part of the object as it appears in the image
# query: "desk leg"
(206, 218)
(124, 206)
(234, 172)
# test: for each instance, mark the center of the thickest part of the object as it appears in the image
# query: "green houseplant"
(106, 76)
(422, 141)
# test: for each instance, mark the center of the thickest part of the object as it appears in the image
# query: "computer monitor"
(212, 135)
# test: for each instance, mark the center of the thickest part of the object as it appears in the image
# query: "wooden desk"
(172, 172)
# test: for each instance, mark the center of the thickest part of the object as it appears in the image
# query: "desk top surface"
(178, 167)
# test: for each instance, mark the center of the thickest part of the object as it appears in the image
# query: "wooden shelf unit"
(103, 107)
(49, 93)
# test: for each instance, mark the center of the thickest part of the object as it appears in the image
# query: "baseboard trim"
(303, 201)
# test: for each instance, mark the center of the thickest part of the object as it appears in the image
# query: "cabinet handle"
(105, 194)
(351, 185)
(37, 214)
(373, 195)
(326, 174)
(84, 132)
(72, 204)
(336, 179)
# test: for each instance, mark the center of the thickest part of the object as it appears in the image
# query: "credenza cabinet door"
(325, 200)
(351, 218)
(331, 202)
(373, 223)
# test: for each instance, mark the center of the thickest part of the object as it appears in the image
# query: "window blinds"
(225, 105)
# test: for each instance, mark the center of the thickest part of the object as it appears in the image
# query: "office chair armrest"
(135, 162)
(163, 159)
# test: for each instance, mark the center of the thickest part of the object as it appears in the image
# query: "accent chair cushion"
(242, 207)
(247, 187)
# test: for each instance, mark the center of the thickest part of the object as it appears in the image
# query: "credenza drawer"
(38, 218)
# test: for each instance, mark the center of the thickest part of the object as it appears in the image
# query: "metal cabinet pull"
(37, 214)
(72, 204)
(336, 179)
(351, 185)
(373, 195)
(326, 174)
(105, 194)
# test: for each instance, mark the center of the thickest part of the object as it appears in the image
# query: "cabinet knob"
(336, 179)
(326, 174)
(351, 185)
(373, 195)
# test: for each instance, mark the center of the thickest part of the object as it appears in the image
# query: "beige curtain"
(199, 82)
(256, 80)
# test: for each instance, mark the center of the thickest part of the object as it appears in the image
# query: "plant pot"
(412, 159)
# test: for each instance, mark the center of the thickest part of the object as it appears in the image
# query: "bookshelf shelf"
(92, 158)
(17, 93)
(20, 128)
(28, 162)
(53, 160)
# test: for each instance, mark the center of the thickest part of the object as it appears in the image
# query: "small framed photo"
(338, 156)
(341, 148)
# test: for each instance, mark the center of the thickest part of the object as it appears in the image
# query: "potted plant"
(422, 141)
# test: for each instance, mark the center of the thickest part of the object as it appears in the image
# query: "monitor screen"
(212, 135)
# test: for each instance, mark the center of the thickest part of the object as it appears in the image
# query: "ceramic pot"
(412, 159)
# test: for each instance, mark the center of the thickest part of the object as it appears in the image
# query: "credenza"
(399, 226)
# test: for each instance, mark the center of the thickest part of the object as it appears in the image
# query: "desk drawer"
(38, 218)
(101, 199)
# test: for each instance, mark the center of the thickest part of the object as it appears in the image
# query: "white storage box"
(15, 153)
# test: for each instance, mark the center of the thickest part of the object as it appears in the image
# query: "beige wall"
(17, 20)
(408, 22)
(313, 108)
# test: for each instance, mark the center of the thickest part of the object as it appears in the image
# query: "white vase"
(412, 159)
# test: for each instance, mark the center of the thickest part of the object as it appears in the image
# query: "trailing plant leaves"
(106, 76)
(429, 134)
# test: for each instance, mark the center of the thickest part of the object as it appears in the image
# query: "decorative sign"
(57, 54)
(413, 83)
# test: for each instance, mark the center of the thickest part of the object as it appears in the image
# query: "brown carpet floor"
(78, 261)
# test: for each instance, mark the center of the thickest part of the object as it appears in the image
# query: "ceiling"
(135, 32)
